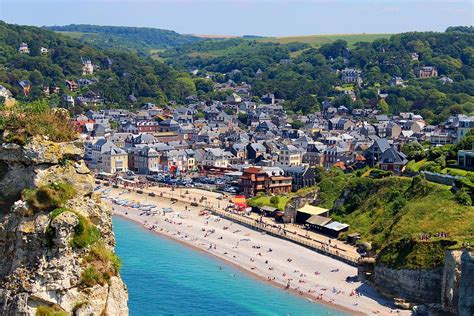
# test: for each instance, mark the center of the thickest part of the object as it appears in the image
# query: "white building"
(87, 67)
(113, 160)
(290, 156)
(23, 49)
(5, 93)
(216, 157)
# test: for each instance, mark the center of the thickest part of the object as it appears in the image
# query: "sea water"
(165, 277)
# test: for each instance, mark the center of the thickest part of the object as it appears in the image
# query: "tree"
(274, 200)
(382, 105)
(204, 85)
(296, 124)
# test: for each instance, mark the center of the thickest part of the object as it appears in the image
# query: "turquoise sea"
(165, 277)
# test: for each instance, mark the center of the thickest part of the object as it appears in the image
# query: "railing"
(284, 234)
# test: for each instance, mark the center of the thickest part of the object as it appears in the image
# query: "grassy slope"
(391, 214)
(314, 40)
(264, 200)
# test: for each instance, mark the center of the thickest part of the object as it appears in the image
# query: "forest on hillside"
(313, 71)
(117, 74)
(137, 39)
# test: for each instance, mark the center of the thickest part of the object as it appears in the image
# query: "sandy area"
(278, 261)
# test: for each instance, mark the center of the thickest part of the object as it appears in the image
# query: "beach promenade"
(218, 203)
(278, 261)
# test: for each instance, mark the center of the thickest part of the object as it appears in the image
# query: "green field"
(74, 35)
(317, 40)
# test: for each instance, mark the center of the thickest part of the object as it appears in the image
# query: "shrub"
(275, 200)
(85, 233)
(102, 264)
(379, 174)
(48, 197)
(90, 277)
(53, 310)
(463, 197)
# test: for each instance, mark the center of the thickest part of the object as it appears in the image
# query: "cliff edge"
(56, 236)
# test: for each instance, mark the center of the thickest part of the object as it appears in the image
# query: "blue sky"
(241, 17)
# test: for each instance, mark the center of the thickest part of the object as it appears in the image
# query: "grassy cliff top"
(393, 213)
(19, 123)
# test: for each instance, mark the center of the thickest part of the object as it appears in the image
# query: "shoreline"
(314, 276)
(251, 274)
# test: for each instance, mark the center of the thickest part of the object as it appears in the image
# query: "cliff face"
(449, 290)
(56, 237)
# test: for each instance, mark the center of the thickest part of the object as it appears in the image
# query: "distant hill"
(117, 74)
(140, 39)
(317, 40)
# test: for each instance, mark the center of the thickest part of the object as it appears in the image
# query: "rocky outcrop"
(466, 285)
(297, 202)
(447, 290)
(450, 281)
(39, 265)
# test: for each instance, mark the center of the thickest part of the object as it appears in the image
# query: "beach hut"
(304, 213)
(268, 210)
(317, 222)
(335, 228)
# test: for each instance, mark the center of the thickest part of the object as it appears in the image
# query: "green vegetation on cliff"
(410, 222)
(102, 264)
(21, 122)
(48, 197)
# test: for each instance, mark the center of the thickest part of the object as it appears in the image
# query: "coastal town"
(351, 185)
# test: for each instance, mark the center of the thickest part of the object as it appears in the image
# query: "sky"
(248, 17)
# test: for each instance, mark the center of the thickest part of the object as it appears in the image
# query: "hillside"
(117, 74)
(318, 40)
(139, 39)
(292, 71)
(394, 213)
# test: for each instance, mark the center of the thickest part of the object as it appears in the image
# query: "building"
(303, 176)
(466, 158)
(43, 50)
(72, 85)
(267, 180)
(234, 98)
(255, 150)
(23, 49)
(87, 67)
(289, 156)
(393, 160)
(216, 157)
(25, 87)
(5, 93)
(351, 75)
(145, 160)
(426, 72)
(465, 124)
(397, 82)
(100, 147)
(376, 150)
(113, 160)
